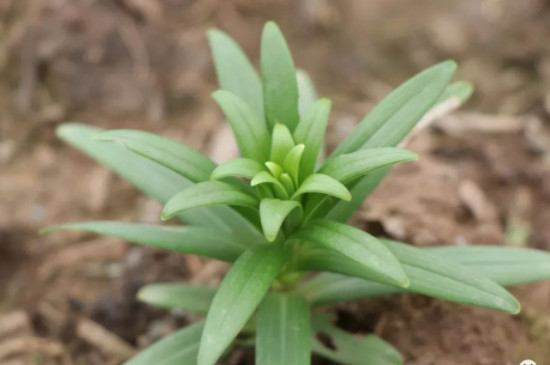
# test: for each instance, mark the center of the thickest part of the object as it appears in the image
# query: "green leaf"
(240, 167)
(184, 160)
(461, 90)
(323, 184)
(287, 182)
(250, 131)
(340, 211)
(207, 194)
(306, 92)
(274, 168)
(505, 265)
(159, 182)
(328, 288)
(235, 72)
(434, 276)
(387, 125)
(393, 118)
(265, 178)
(279, 79)
(272, 214)
(282, 143)
(349, 349)
(315, 257)
(311, 132)
(292, 162)
(240, 293)
(176, 349)
(350, 166)
(200, 241)
(283, 330)
(430, 274)
(191, 298)
(375, 260)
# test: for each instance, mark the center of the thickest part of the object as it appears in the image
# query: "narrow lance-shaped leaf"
(395, 116)
(238, 167)
(367, 252)
(240, 293)
(387, 125)
(176, 349)
(273, 213)
(279, 79)
(430, 274)
(348, 167)
(342, 211)
(283, 330)
(265, 178)
(324, 184)
(351, 349)
(315, 257)
(311, 132)
(200, 241)
(292, 162)
(450, 281)
(306, 92)
(287, 182)
(505, 265)
(180, 158)
(235, 72)
(281, 143)
(274, 168)
(207, 194)
(250, 131)
(460, 90)
(191, 298)
(159, 182)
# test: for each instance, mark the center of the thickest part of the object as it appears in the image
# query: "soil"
(482, 177)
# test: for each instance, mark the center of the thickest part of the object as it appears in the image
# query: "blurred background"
(483, 174)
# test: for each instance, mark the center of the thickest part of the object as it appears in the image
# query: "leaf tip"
(270, 236)
(271, 26)
(467, 89)
(217, 94)
(405, 283)
(144, 294)
(165, 215)
(449, 66)
(213, 32)
(516, 307)
(346, 196)
(66, 130)
(47, 230)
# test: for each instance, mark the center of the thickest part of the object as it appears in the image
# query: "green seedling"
(278, 214)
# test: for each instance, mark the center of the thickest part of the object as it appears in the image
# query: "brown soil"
(482, 176)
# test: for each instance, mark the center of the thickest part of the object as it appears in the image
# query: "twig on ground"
(104, 340)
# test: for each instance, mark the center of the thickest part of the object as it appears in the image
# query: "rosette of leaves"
(279, 212)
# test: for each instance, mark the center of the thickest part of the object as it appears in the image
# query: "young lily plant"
(278, 214)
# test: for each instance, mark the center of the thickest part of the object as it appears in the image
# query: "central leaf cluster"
(281, 178)
(282, 182)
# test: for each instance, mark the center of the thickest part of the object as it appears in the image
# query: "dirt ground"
(482, 176)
